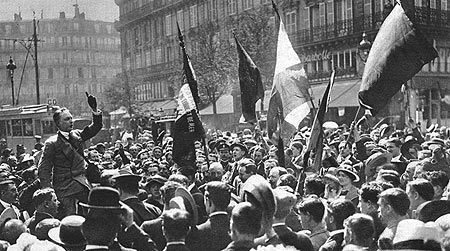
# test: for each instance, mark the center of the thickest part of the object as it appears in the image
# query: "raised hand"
(92, 101)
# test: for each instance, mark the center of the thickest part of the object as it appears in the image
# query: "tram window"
(27, 127)
(37, 127)
(3, 131)
(8, 128)
(17, 127)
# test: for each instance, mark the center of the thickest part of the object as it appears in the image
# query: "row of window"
(154, 90)
(26, 27)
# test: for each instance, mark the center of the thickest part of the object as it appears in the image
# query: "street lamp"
(364, 48)
(11, 66)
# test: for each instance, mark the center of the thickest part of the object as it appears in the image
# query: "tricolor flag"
(250, 83)
(398, 53)
(188, 127)
(290, 91)
(315, 143)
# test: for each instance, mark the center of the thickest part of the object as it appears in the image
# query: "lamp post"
(364, 48)
(11, 66)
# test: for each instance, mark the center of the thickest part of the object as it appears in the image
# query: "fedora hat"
(409, 142)
(158, 179)
(285, 200)
(126, 174)
(7, 214)
(260, 190)
(102, 197)
(183, 200)
(411, 230)
(435, 141)
(349, 171)
(375, 160)
(240, 145)
(69, 232)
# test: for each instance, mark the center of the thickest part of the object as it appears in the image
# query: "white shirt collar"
(218, 213)
(175, 243)
(89, 247)
(65, 134)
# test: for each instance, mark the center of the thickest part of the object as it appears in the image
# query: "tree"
(118, 94)
(214, 62)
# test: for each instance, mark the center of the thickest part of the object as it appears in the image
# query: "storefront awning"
(224, 105)
(343, 93)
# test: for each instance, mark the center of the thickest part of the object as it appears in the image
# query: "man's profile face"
(10, 195)
(65, 123)
(53, 205)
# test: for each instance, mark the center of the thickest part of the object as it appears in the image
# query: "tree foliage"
(117, 94)
(213, 61)
(256, 31)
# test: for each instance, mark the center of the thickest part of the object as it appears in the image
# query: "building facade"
(75, 55)
(325, 33)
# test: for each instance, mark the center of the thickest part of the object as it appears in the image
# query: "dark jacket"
(142, 211)
(177, 247)
(334, 242)
(290, 238)
(61, 166)
(239, 246)
(154, 230)
(213, 234)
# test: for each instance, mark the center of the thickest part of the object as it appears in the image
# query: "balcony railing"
(437, 19)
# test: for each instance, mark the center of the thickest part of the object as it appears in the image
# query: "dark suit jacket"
(298, 240)
(235, 246)
(142, 211)
(61, 166)
(154, 230)
(212, 235)
(177, 247)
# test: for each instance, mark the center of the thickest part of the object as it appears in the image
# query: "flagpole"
(352, 125)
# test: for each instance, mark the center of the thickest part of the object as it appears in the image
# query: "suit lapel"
(65, 146)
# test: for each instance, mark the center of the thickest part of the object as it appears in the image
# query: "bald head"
(12, 230)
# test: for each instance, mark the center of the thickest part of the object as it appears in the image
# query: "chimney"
(62, 15)
(17, 17)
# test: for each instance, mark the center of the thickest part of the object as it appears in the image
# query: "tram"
(19, 124)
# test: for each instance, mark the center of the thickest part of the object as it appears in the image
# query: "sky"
(104, 10)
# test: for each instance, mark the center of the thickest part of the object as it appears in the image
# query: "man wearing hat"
(128, 185)
(153, 185)
(68, 234)
(106, 218)
(8, 194)
(239, 151)
(224, 154)
(62, 165)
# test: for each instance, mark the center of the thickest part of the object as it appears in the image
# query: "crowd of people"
(377, 189)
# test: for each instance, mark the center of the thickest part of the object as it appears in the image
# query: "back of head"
(246, 219)
(42, 228)
(313, 207)
(183, 180)
(362, 227)
(11, 230)
(219, 193)
(314, 184)
(370, 191)
(100, 230)
(176, 224)
(341, 209)
(423, 187)
(397, 199)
